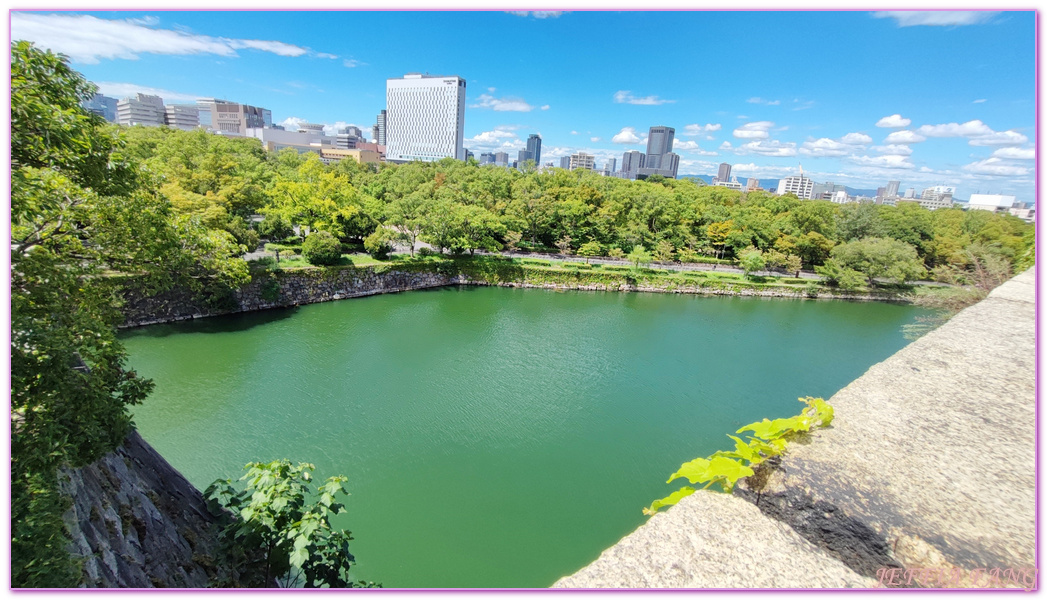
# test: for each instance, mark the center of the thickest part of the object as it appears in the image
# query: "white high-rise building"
(582, 160)
(425, 118)
(939, 196)
(140, 109)
(801, 185)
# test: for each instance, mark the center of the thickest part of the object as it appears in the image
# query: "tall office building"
(611, 165)
(425, 119)
(379, 128)
(632, 162)
(487, 158)
(140, 109)
(103, 106)
(892, 189)
(501, 159)
(565, 162)
(660, 159)
(724, 174)
(751, 184)
(523, 156)
(534, 146)
(659, 143)
(182, 116)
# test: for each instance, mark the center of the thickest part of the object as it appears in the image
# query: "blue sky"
(859, 98)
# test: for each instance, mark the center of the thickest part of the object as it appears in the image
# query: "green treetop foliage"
(752, 260)
(81, 211)
(880, 258)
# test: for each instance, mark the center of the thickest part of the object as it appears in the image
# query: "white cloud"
(326, 55)
(292, 123)
(1015, 153)
(978, 101)
(538, 14)
(973, 128)
(627, 97)
(595, 139)
(491, 89)
(767, 148)
(887, 161)
(726, 146)
(123, 90)
(502, 104)
(696, 129)
(995, 166)
(500, 138)
(147, 20)
(941, 18)
(901, 149)
(352, 63)
(87, 39)
(856, 138)
(755, 130)
(894, 120)
(626, 136)
(904, 137)
(758, 100)
(979, 133)
(545, 107)
(803, 105)
(999, 138)
(825, 147)
(685, 145)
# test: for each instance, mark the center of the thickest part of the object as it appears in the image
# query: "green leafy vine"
(726, 467)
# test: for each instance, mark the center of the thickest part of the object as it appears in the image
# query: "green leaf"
(745, 451)
(724, 469)
(694, 471)
(669, 500)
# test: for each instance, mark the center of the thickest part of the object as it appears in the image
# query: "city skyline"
(947, 98)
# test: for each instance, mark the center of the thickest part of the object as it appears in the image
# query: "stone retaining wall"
(307, 286)
(137, 522)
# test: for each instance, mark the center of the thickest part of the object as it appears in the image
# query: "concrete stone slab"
(714, 540)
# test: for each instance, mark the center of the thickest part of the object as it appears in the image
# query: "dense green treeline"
(463, 207)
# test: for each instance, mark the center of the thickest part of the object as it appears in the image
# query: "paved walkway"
(930, 464)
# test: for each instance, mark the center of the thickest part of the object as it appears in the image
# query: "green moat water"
(493, 437)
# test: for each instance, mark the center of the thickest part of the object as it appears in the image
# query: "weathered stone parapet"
(712, 540)
(926, 476)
